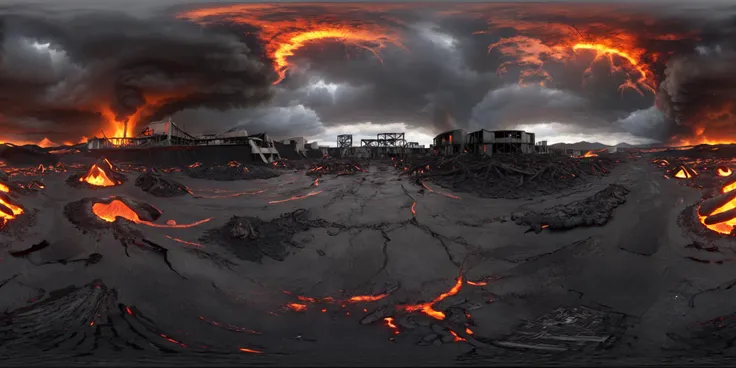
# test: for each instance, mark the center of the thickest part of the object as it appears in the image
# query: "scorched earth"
(335, 262)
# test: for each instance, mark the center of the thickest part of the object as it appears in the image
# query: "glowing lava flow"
(440, 193)
(15, 211)
(294, 198)
(111, 211)
(284, 33)
(4, 188)
(185, 242)
(427, 308)
(305, 300)
(97, 177)
(724, 171)
(727, 226)
(590, 154)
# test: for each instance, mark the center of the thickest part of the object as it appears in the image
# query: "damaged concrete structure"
(166, 134)
(450, 142)
(488, 142)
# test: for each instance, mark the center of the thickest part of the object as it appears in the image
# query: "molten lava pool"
(112, 211)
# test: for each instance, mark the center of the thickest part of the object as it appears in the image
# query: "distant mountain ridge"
(583, 145)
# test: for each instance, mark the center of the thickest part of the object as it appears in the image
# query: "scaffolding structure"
(344, 141)
(391, 139)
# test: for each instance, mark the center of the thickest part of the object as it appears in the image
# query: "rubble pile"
(507, 176)
(568, 329)
(232, 171)
(595, 210)
(154, 183)
(251, 238)
(337, 167)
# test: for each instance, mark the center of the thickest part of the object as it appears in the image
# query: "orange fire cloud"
(284, 31)
(568, 34)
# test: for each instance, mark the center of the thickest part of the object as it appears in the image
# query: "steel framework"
(369, 143)
(391, 139)
(345, 141)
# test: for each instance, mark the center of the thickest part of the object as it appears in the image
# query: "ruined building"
(451, 142)
(167, 134)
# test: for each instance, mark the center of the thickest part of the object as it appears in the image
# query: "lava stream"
(111, 211)
(724, 171)
(185, 242)
(440, 193)
(294, 198)
(427, 308)
(4, 188)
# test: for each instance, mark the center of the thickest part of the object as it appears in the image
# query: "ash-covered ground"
(357, 264)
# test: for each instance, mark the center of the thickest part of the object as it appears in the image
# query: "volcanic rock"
(70, 318)
(26, 155)
(230, 172)
(595, 210)
(251, 238)
(157, 185)
(4, 176)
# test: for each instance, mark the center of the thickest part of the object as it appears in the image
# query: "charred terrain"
(410, 261)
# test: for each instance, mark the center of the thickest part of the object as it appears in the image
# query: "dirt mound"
(595, 210)
(230, 172)
(154, 183)
(507, 176)
(251, 238)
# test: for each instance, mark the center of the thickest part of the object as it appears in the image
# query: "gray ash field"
(336, 262)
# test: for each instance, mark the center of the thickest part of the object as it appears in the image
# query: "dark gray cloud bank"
(61, 61)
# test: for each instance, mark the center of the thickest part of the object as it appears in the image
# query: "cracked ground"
(373, 269)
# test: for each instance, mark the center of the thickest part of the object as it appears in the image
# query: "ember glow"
(111, 211)
(4, 188)
(305, 300)
(427, 308)
(252, 351)
(284, 36)
(724, 171)
(590, 154)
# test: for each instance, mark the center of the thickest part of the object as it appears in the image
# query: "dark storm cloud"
(66, 67)
(444, 79)
(447, 79)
